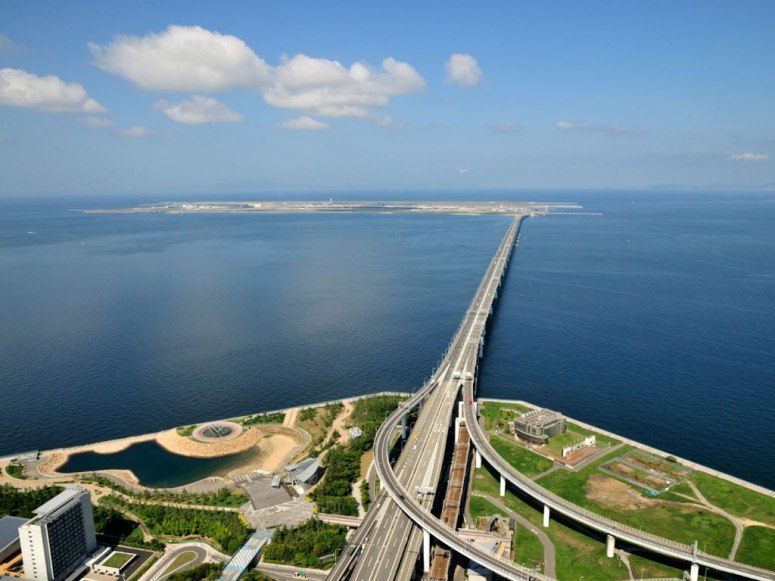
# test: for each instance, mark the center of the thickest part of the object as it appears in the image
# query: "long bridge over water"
(402, 525)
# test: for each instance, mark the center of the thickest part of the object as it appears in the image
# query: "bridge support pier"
(477, 459)
(694, 572)
(610, 545)
(547, 514)
(426, 551)
(503, 485)
(457, 430)
(403, 428)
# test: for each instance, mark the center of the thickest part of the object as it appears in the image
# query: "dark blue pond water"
(156, 467)
(654, 320)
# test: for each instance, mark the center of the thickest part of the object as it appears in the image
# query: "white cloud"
(96, 122)
(607, 129)
(193, 59)
(136, 132)
(7, 46)
(749, 156)
(462, 70)
(183, 58)
(326, 88)
(19, 88)
(198, 110)
(303, 123)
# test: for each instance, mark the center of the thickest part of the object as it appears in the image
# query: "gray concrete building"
(539, 425)
(60, 537)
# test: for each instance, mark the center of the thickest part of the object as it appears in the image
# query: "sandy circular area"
(204, 434)
(177, 444)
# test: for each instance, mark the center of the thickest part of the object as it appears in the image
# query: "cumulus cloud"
(749, 156)
(183, 58)
(19, 88)
(95, 122)
(304, 123)
(193, 59)
(462, 70)
(388, 122)
(607, 129)
(327, 88)
(135, 132)
(198, 110)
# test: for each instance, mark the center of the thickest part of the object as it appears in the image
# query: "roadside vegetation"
(527, 462)
(311, 544)
(277, 418)
(224, 528)
(735, 499)
(682, 522)
(115, 527)
(225, 497)
(496, 413)
(17, 502)
(343, 462)
(577, 555)
(758, 547)
(204, 572)
(316, 422)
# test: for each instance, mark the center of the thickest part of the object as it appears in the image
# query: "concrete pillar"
(610, 545)
(503, 485)
(403, 428)
(547, 514)
(460, 410)
(694, 572)
(426, 551)
(457, 430)
(477, 459)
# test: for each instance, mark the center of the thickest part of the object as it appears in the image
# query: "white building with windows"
(60, 537)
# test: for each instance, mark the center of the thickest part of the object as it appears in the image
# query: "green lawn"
(182, 560)
(736, 499)
(491, 411)
(682, 522)
(118, 560)
(527, 462)
(577, 555)
(482, 507)
(528, 550)
(758, 547)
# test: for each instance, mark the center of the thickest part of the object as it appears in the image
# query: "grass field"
(758, 547)
(528, 549)
(118, 560)
(491, 411)
(182, 560)
(577, 555)
(736, 499)
(527, 462)
(682, 522)
(482, 507)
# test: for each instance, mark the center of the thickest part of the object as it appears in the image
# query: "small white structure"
(355, 432)
(114, 563)
(587, 442)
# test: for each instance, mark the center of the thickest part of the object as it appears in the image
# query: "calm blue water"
(654, 320)
(156, 467)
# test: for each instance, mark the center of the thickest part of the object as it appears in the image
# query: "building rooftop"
(540, 417)
(50, 509)
(9, 529)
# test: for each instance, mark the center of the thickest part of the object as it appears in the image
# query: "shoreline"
(689, 463)
(278, 455)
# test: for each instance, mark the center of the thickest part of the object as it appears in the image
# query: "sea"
(648, 314)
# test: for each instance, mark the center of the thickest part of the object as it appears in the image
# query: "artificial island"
(435, 484)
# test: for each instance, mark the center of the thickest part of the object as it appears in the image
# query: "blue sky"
(176, 97)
